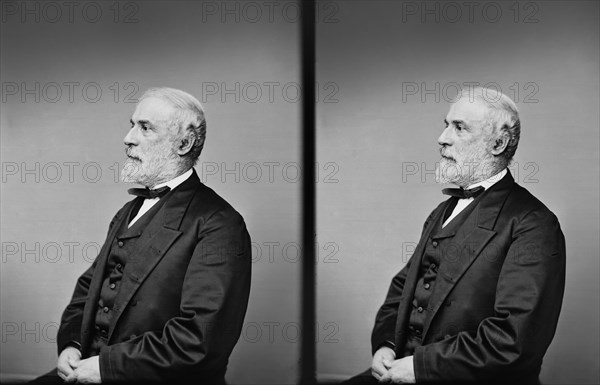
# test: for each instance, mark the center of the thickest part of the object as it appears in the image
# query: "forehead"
(153, 109)
(467, 109)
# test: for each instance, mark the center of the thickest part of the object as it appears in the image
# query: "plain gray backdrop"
(53, 226)
(397, 64)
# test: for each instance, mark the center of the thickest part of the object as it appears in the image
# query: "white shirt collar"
(489, 182)
(175, 181)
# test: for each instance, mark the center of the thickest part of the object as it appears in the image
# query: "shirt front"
(462, 203)
(148, 203)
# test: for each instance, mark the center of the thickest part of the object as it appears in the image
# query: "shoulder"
(207, 205)
(523, 205)
(525, 218)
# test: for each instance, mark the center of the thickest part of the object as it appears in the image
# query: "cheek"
(469, 146)
(165, 147)
(156, 143)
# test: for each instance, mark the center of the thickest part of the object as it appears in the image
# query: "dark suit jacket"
(497, 297)
(183, 295)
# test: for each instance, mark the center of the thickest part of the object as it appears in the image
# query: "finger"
(74, 375)
(63, 370)
(61, 375)
(379, 369)
(71, 378)
(386, 377)
(74, 364)
(375, 374)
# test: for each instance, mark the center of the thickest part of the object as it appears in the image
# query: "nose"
(445, 137)
(131, 137)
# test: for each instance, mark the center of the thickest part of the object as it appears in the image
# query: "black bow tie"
(149, 194)
(462, 193)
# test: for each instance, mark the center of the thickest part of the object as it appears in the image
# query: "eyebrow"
(457, 122)
(140, 122)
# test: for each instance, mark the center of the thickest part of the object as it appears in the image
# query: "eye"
(459, 127)
(144, 127)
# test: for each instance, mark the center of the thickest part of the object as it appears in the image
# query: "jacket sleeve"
(69, 331)
(385, 320)
(213, 304)
(70, 323)
(529, 295)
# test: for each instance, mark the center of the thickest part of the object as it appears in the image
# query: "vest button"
(433, 267)
(112, 286)
(105, 309)
(120, 243)
(427, 286)
(119, 267)
(435, 243)
(418, 332)
(420, 309)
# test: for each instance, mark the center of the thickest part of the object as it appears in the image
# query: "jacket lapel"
(154, 242)
(470, 239)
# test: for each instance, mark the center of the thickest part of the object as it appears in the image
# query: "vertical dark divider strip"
(308, 284)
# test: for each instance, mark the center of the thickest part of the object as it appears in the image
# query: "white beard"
(475, 166)
(156, 166)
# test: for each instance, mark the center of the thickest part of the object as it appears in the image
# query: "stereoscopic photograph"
(300, 192)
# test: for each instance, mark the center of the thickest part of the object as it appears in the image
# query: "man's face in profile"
(150, 143)
(464, 143)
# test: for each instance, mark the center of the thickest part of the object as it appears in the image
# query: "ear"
(500, 143)
(185, 143)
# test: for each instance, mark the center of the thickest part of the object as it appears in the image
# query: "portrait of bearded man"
(480, 297)
(166, 297)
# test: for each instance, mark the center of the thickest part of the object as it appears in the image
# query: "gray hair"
(503, 115)
(189, 116)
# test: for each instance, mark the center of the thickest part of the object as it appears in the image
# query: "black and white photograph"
(300, 191)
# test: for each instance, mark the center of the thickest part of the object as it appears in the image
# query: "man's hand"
(381, 359)
(66, 361)
(88, 371)
(400, 371)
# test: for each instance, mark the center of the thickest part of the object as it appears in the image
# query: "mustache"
(130, 154)
(444, 153)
